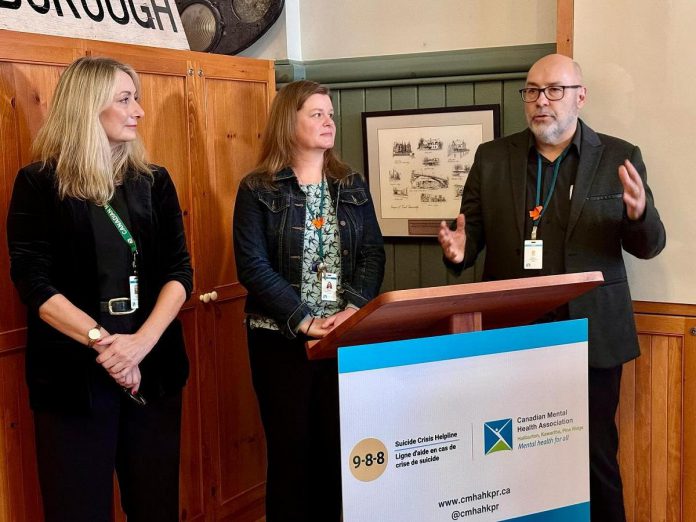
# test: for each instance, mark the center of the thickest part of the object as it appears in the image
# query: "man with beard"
(560, 198)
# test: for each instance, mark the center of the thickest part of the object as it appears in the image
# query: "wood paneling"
(689, 416)
(19, 487)
(564, 26)
(234, 115)
(204, 115)
(655, 417)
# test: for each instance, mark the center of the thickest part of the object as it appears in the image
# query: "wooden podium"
(440, 310)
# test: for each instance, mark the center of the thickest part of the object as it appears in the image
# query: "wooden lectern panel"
(423, 312)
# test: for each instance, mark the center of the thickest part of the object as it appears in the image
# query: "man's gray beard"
(547, 134)
(551, 134)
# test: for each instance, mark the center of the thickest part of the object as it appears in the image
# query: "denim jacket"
(269, 239)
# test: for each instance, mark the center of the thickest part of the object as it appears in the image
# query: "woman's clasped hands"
(120, 355)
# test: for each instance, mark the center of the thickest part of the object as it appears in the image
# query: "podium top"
(422, 312)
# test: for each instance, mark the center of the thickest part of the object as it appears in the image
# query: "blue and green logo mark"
(497, 436)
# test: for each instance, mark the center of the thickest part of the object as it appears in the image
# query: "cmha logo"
(497, 436)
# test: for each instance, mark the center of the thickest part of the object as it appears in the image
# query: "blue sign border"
(456, 346)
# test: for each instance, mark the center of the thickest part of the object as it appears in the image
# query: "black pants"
(77, 455)
(606, 492)
(298, 400)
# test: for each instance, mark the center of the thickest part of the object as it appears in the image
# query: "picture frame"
(417, 161)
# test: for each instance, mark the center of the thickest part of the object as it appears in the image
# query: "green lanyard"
(556, 167)
(318, 221)
(124, 232)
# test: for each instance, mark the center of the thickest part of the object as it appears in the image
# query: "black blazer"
(598, 229)
(52, 251)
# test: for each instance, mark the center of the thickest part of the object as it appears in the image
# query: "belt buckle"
(117, 300)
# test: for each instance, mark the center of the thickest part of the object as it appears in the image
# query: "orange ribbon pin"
(318, 222)
(535, 213)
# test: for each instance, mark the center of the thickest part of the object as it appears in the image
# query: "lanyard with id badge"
(132, 280)
(533, 247)
(128, 238)
(328, 280)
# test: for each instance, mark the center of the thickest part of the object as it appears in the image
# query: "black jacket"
(598, 230)
(52, 251)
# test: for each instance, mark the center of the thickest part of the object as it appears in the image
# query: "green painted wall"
(413, 82)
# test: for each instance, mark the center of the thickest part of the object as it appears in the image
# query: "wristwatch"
(93, 335)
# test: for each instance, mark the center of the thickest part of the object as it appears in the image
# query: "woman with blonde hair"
(98, 255)
(310, 253)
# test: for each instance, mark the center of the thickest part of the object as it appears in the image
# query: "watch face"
(94, 334)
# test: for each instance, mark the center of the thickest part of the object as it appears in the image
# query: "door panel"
(234, 118)
(26, 90)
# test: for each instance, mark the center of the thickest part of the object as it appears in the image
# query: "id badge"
(533, 254)
(329, 281)
(133, 287)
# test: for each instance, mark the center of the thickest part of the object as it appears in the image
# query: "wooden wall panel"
(653, 421)
(236, 415)
(513, 119)
(460, 94)
(13, 314)
(235, 116)
(352, 104)
(689, 416)
(19, 487)
(34, 91)
(336, 102)
(404, 98)
(431, 96)
(26, 88)
(564, 27)
(192, 468)
(674, 430)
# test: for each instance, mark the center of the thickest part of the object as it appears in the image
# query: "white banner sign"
(143, 22)
(485, 426)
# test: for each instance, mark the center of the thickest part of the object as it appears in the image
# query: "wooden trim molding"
(415, 67)
(564, 27)
(650, 307)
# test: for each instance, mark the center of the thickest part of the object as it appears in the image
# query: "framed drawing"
(417, 162)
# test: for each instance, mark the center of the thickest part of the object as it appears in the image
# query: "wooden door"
(234, 99)
(28, 76)
(166, 78)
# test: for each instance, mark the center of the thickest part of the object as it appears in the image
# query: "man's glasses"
(552, 92)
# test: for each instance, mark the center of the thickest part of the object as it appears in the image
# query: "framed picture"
(417, 161)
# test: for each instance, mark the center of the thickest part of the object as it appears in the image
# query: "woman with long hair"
(310, 253)
(99, 257)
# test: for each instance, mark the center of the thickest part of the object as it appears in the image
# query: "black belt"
(117, 306)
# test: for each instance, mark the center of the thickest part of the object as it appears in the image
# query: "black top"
(53, 251)
(114, 260)
(553, 225)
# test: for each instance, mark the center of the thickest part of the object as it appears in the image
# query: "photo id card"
(133, 287)
(329, 281)
(533, 254)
